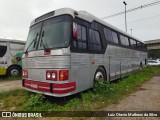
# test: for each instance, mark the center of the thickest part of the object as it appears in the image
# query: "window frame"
(111, 31)
(124, 39)
(95, 38)
(80, 40)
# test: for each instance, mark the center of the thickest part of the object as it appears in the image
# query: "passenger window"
(94, 40)
(84, 33)
(124, 40)
(127, 41)
(138, 45)
(81, 41)
(79, 32)
(111, 36)
(115, 37)
(133, 43)
(3, 49)
(108, 35)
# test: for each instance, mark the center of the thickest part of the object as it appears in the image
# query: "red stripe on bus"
(38, 83)
(63, 91)
(67, 87)
(40, 86)
(45, 87)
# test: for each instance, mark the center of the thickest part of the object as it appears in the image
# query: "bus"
(11, 56)
(67, 50)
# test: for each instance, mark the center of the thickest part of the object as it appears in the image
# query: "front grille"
(47, 62)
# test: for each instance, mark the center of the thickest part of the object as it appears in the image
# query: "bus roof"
(12, 40)
(81, 14)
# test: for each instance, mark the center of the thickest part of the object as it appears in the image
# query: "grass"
(97, 98)
(4, 78)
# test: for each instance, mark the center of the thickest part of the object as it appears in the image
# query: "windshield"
(33, 36)
(55, 33)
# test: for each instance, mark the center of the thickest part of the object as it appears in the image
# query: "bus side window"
(111, 36)
(94, 40)
(133, 43)
(81, 41)
(115, 38)
(3, 50)
(138, 45)
(124, 40)
(108, 35)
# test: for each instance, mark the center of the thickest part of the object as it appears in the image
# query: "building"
(153, 47)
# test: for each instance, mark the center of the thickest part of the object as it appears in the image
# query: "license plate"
(34, 85)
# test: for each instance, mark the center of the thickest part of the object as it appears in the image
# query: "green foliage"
(101, 86)
(34, 101)
(37, 102)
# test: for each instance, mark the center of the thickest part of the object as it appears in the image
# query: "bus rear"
(46, 62)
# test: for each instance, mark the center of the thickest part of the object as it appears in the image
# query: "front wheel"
(13, 71)
(100, 74)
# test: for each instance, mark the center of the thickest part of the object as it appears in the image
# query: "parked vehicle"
(10, 56)
(158, 60)
(153, 62)
(67, 50)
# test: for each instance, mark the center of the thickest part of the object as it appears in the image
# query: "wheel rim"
(99, 76)
(14, 72)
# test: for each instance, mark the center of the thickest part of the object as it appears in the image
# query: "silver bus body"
(77, 66)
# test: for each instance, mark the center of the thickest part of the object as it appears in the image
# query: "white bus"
(10, 56)
(67, 50)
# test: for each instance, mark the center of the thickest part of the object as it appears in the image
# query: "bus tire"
(100, 74)
(14, 71)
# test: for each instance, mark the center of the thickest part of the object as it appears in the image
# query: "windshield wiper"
(31, 43)
(46, 49)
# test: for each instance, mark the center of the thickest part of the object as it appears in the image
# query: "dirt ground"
(147, 98)
(10, 85)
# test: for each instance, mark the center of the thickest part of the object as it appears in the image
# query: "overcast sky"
(16, 15)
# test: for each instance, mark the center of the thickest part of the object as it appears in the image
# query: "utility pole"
(125, 15)
(131, 31)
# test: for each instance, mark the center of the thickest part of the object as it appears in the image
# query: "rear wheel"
(13, 71)
(100, 74)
